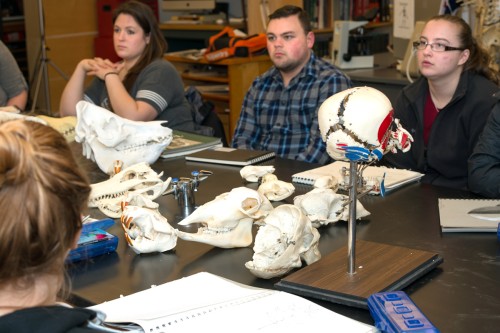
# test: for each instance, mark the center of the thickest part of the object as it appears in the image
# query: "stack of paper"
(469, 215)
(204, 302)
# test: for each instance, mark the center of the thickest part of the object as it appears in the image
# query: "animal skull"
(6, 115)
(137, 198)
(227, 220)
(361, 117)
(140, 178)
(324, 206)
(286, 238)
(274, 189)
(252, 173)
(107, 137)
(327, 182)
(147, 230)
(64, 125)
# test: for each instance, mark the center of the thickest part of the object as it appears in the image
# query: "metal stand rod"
(43, 70)
(351, 231)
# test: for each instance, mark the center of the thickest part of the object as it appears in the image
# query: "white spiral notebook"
(204, 302)
(394, 178)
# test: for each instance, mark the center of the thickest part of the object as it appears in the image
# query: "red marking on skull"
(383, 131)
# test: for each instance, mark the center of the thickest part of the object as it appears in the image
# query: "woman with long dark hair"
(142, 86)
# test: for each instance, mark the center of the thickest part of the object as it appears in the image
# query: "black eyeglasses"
(437, 47)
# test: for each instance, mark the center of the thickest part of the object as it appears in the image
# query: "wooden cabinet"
(226, 82)
(70, 27)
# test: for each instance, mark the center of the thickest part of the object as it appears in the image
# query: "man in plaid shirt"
(279, 112)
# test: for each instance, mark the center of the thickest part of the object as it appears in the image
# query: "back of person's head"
(146, 19)
(42, 195)
(290, 10)
(479, 60)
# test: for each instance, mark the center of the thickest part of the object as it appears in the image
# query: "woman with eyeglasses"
(446, 108)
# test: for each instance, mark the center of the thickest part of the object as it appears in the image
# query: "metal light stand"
(42, 65)
(382, 267)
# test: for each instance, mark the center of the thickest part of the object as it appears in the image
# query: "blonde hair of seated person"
(42, 194)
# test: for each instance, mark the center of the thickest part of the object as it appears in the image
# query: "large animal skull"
(147, 230)
(361, 117)
(107, 137)
(227, 220)
(274, 189)
(109, 194)
(286, 238)
(324, 206)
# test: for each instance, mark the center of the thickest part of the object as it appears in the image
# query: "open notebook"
(394, 178)
(204, 302)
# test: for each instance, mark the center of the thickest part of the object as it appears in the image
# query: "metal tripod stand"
(42, 65)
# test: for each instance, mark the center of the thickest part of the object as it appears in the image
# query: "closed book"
(230, 156)
(184, 143)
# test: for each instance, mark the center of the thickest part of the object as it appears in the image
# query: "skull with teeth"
(107, 137)
(227, 220)
(140, 178)
(286, 238)
(147, 231)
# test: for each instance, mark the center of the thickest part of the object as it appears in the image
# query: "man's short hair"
(290, 10)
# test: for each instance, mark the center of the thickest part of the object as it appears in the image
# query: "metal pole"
(42, 72)
(44, 56)
(351, 231)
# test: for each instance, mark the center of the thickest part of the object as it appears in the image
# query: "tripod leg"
(59, 70)
(38, 82)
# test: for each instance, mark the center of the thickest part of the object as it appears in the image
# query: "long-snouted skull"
(140, 178)
(227, 220)
(324, 206)
(107, 137)
(285, 240)
(147, 230)
(274, 189)
(361, 117)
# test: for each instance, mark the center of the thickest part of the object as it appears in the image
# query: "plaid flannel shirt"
(285, 119)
